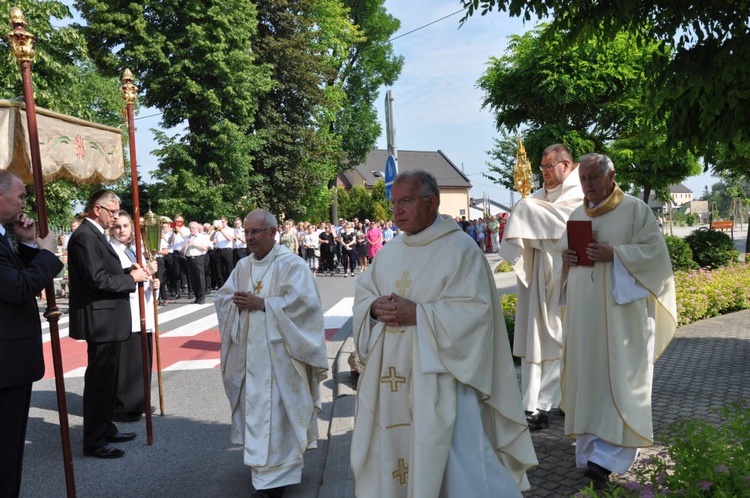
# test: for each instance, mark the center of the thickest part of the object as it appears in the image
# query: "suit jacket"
(23, 275)
(99, 288)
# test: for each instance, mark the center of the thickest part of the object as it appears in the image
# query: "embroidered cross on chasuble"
(258, 287)
(403, 284)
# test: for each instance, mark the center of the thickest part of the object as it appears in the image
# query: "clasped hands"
(247, 301)
(598, 253)
(394, 311)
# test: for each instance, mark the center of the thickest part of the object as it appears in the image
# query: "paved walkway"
(705, 367)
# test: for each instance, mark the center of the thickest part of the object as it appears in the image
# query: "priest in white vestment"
(438, 408)
(273, 356)
(531, 235)
(620, 317)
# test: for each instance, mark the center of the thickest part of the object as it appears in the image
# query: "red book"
(580, 235)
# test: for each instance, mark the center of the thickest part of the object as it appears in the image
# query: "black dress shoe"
(598, 474)
(106, 451)
(126, 417)
(538, 420)
(121, 437)
(199, 301)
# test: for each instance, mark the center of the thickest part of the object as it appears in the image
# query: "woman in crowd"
(130, 402)
(289, 237)
(361, 246)
(374, 240)
(327, 242)
(310, 242)
(349, 249)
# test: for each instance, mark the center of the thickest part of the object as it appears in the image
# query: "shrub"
(703, 293)
(508, 303)
(503, 267)
(699, 459)
(711, 248)
(690, 219)
(680, 254)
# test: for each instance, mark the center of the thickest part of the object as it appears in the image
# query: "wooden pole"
(22, 44)
(158, 351)
(129, 92)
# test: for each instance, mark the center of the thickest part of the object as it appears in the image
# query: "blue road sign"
(390, 175)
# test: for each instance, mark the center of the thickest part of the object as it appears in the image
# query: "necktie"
(130, 253)
(7, 240)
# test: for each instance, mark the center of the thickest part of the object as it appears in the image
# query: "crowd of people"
(440, 412)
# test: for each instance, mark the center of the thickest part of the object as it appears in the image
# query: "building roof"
(446, 173)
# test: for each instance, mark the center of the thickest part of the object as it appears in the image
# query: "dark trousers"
(99, 393)
(226, 259)
(213, 269)
(131, 399)
(14, 401)
(161, 274)
(349, 259)
(197, 268)
(326, 261)
(179, 268)
(238, 254)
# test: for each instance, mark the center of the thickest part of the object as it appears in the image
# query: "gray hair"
(101, 196)
(426, 180)
(268, 218)
(6, 180)
(605, 163)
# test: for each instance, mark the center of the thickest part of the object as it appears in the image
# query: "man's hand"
(600, 252)
(246, 301)
(570, 258)
(394, 311)
(49, 242)
(25, 229)
(155, 283)
(138, 273)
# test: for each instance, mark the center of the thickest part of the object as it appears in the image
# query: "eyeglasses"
(545, 167)
(112, 212)
(406, 202)
(256, 231)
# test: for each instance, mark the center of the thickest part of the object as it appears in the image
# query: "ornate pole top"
(21, 41)
(128, 90)
(523, 179)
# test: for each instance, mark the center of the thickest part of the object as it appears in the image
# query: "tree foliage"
(65, 81)
(699, 82)
(586, 95)
(193, 61)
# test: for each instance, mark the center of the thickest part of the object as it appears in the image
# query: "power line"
(426, 25)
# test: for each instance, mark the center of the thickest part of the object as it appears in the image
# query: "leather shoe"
(199, 301)
(106, 451)
(598, 474)
(121, 437)
(538, 420)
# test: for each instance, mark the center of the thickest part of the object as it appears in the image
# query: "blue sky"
(436, 102)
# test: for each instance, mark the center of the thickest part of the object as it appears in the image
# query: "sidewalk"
(705, 367)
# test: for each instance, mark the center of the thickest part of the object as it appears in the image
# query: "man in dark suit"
(100, 314)
(23, 275)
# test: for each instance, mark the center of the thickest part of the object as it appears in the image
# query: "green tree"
(195, 62)
(589, 101)
(381, 209)
(700, 88)
(65, 81)
(504, 153)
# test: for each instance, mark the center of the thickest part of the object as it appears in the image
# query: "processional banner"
(71, 148)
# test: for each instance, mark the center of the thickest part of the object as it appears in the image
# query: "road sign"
(390, 175)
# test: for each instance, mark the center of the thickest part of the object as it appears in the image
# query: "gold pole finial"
(128, 90)
(523, 179)
(21, 41)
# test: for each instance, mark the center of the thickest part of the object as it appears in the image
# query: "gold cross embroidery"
(403, 284)
(393, 379)
(258, 287)
(401, 472)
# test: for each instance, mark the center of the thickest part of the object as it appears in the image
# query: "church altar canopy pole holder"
(129, 93)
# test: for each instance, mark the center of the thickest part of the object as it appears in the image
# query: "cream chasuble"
(609, 347)
(272, 363)
(416, 378)
(534, 229)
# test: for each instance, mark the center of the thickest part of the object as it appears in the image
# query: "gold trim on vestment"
(402, 471)
(612, 201)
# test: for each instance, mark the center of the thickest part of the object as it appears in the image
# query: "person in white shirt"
(196, 247)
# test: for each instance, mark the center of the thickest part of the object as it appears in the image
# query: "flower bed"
(707, 293)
